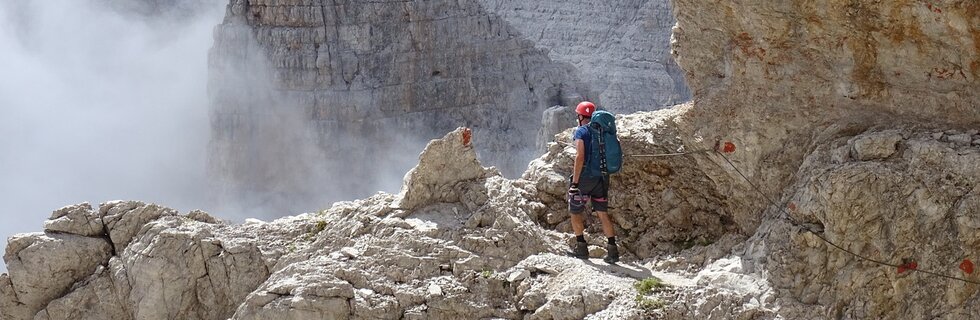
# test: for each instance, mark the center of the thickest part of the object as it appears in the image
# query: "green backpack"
(603, 131)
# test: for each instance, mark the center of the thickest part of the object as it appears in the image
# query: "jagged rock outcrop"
(77, 219)
(442, 163)
(448, 246)
(332, 82)
(64, 259)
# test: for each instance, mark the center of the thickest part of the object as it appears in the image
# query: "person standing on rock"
(588, 183)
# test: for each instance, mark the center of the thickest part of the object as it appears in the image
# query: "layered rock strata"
(618, 48)
(301, 90)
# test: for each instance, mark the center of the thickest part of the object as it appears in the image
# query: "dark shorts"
(592, 189)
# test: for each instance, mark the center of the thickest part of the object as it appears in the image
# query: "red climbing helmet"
(585, 108)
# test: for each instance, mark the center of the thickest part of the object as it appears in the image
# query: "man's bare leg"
(578, 224)
(607, 225)
(612, 251)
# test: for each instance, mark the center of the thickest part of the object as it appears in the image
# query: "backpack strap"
(602, 153)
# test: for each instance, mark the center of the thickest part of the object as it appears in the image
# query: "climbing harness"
(966, 265)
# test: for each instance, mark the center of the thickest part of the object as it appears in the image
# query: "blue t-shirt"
(583, 133)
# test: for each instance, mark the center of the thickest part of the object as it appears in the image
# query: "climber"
(588, 183)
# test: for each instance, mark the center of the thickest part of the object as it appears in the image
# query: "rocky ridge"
(447, 246)
(480, 244)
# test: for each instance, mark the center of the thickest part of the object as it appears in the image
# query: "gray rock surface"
(10, 305)
(100, 295)
(618, 48)
(962, 139)
(43, 266)
(876, 145)
(886, 210)
(442, 165)
(378, 79)
(77, 219)
(477, 245)
(123, 219)
(448, 246)
(207, 281)
(554, 120)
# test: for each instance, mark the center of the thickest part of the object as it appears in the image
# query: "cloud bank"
(99, 103)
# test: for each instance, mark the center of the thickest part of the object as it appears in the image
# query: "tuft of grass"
(318, 227)
(315, 230)
(649, 304)
(650, 285)
(486, 273)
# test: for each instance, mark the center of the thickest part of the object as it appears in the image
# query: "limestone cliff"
(303, 90)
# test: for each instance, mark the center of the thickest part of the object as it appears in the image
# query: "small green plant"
(486, 273)
(650, 285)
(645, 287)
(320, 226)
(649, 304)
(315, 230)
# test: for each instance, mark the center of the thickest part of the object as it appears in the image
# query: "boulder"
(64, 258)
(444, 163)
(124, 219)
(879, 145)
(99, 296)
(206, 277)
(202, 216)
(10, 306)
(962, 139)
(78, 219)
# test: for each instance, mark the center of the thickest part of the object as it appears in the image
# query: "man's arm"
(579, 160)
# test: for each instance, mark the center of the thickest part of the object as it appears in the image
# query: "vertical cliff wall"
(304, 91)
(617, 47)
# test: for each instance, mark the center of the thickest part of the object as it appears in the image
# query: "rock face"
(616, 47)
(65, 260)
(302, 90)
(888, 209)
(834, 108)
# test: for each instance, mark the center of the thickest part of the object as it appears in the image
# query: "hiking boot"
(612, 254)
(581, 250)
